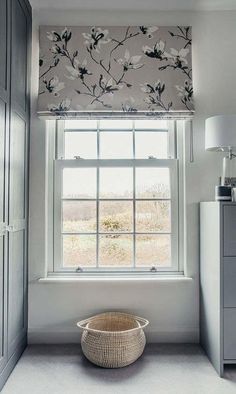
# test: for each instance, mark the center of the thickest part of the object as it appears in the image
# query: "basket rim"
(142, 323)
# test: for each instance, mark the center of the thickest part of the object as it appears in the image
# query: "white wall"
(171, 306)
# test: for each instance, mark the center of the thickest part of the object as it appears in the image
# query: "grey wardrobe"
(15, 36)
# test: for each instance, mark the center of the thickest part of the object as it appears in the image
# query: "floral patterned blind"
(144, 70)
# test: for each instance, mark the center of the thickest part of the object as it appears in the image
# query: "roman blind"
(118, 71)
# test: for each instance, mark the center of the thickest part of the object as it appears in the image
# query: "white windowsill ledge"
(170, 279)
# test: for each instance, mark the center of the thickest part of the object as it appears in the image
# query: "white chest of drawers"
(218, 282)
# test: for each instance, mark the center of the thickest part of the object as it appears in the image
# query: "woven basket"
(113, 339)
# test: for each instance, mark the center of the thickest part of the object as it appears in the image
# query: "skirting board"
(73, 336)
(12, 362)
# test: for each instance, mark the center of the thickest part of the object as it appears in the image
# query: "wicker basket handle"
(141, 321)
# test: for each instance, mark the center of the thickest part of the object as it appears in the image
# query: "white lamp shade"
(220, 133)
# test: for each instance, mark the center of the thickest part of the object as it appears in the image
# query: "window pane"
(152, 183)
(153, 250)
(79, 182)
(151, 144)
(116, 182)
(115, 124)
(81, 124)
(79, 216)
(80, 144)
(116, 145)
(116, 250)
(150, 124)
(153, 216)
(115, 216)
(79, 250)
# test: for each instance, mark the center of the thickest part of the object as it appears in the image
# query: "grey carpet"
(163, 369)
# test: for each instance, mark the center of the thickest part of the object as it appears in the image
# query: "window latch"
(78, 158)
(79, 269)
(153, 269)
(151, 157)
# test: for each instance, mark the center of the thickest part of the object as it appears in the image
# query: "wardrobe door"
(4, 126)
(18, 177)
(3, 241)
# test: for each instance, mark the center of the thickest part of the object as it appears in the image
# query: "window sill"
(156, 278)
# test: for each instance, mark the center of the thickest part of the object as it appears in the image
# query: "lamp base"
(229, 170)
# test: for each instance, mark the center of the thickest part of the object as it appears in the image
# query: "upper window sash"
(60, 137)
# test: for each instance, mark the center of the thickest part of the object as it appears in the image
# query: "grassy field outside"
(116, 250)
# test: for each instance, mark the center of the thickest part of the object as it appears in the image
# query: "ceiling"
(136, 5)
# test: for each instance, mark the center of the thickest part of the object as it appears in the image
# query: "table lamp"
(220, 136)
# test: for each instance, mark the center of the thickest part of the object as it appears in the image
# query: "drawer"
(230, 334)
(229, 245)
(229, 285)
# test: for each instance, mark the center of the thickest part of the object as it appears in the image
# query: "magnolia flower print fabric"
(144, 69)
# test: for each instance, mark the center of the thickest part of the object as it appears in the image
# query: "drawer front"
(229, 248)
(229, 285)
(230, 334)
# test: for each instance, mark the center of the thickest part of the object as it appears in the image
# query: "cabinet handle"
(4, 228)
(10, 228)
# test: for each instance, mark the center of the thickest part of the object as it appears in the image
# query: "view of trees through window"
(116, 215)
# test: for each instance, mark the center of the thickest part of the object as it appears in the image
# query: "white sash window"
(116, 196)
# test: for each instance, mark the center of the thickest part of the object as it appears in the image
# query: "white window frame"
(175, 149)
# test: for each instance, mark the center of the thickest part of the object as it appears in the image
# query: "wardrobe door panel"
(19, 56)
(17, 233)
(2, 306)
(16, 302)
(3, 44)
(2, 157)
(17, 169)
(1, 297)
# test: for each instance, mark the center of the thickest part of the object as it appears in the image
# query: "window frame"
(172, 163)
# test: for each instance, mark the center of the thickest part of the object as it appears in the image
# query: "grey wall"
(171, 306)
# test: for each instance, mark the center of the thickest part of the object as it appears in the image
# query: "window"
(116, 196)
